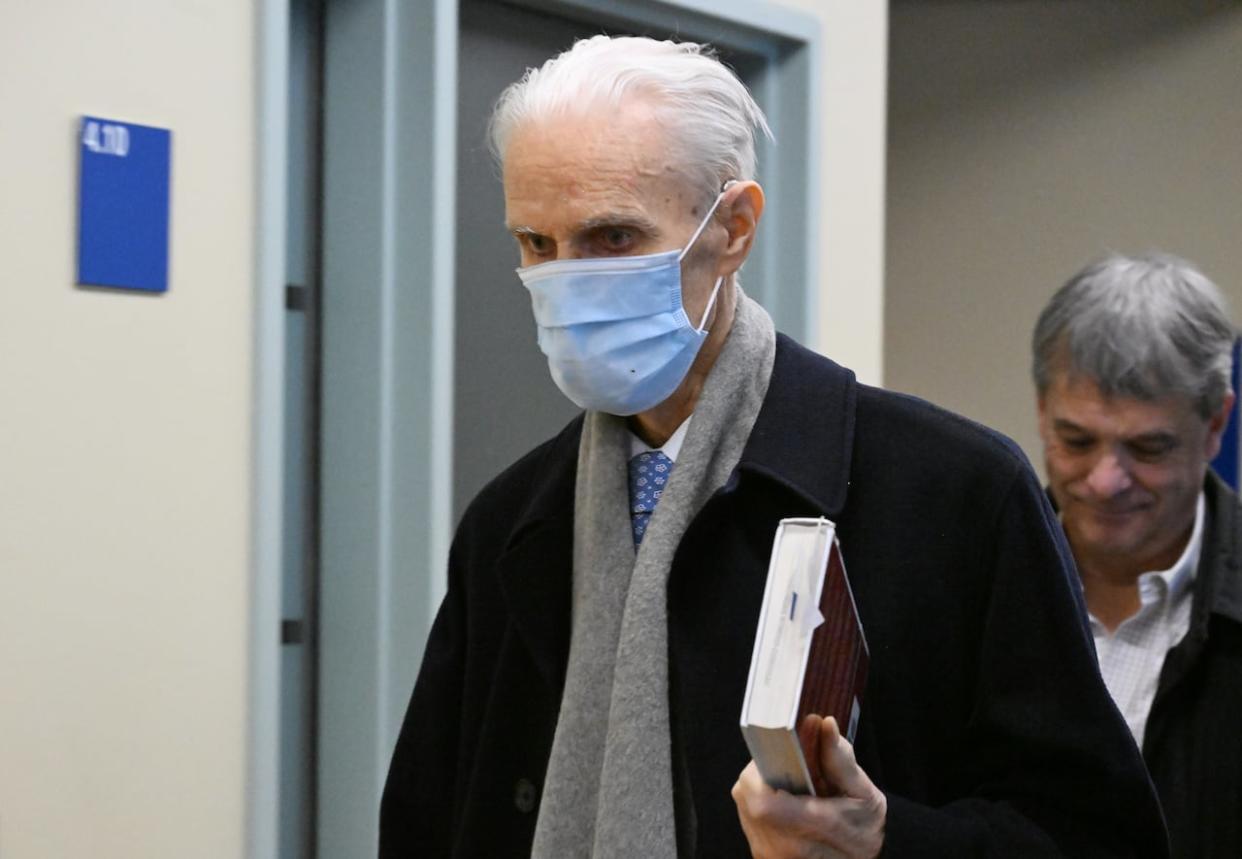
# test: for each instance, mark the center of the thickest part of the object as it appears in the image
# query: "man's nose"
(1109, 476)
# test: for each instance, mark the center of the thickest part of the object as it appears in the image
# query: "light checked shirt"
(1132, 656)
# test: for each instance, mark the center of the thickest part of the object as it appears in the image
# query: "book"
(810, 656)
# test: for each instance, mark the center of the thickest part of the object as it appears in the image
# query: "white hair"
(710, 116)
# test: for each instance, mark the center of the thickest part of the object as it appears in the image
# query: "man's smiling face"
(1126, 473)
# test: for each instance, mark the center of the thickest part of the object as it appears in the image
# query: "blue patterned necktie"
(649, 473)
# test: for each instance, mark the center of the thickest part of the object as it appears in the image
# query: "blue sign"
(123, 205)
(1226, 462)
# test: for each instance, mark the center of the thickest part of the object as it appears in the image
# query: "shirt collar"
(670, 448)
(1181, 575)
(808, 451)
(1176, 580)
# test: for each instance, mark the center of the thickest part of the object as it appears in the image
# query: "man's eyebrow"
(1154, 437)
(1066, 425)
(1159, 436)
(619, 219)
(609, 219)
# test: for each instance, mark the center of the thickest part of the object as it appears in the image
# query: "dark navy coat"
(985, 720)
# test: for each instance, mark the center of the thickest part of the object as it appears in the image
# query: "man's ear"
(1217, 424)
(742, 207)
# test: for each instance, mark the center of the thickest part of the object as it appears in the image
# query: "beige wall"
(1028, 138)
(126, 420)
(124, 444)
(851, 195)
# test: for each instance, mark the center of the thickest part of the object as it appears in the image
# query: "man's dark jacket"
(1193, 743)
(984, 721)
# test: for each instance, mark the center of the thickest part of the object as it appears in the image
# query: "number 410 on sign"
(104, 138)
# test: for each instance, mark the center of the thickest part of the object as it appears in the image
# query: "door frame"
(267, 440)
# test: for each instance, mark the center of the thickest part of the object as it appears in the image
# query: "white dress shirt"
(671, 448)
(1132, 655)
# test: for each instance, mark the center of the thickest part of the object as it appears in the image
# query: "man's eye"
(1077, 444)
(1150, 451)
(537, 244)
(535, 248)
(615, 239)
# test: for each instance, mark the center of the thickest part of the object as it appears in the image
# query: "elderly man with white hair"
(581, 688)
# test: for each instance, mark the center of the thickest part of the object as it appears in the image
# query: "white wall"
(125, 427)
(1029, 138)
(853, 91)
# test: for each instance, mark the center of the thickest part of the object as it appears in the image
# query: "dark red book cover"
(836, 667)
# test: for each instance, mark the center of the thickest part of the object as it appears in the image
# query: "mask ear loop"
(711, 302)
(703, 223)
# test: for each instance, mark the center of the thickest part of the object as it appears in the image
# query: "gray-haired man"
(1132, 362)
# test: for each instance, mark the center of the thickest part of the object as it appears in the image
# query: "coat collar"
(1218, 590)
(1220, 566)
(803, 437)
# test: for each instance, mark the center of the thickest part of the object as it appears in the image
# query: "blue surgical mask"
(615, 330)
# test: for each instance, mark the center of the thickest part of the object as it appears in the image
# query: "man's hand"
(778, 824)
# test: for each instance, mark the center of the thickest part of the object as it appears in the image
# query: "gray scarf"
(609, 785)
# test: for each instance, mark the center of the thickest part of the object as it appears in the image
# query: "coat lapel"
(1222, 544)
(535, 569)
(803, 437)
(1218, 582)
